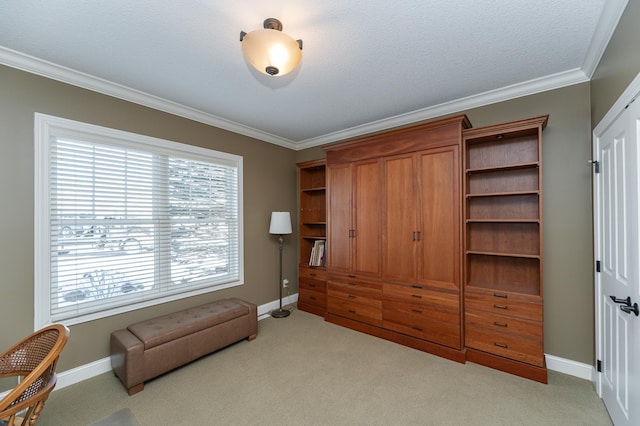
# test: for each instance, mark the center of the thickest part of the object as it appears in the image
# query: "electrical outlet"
(285, 283)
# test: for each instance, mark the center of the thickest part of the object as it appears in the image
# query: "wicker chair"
(35, 359)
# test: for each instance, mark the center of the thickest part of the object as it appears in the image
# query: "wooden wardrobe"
(433, 240)
(394, 236)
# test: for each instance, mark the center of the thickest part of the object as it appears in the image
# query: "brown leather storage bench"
(147, 349)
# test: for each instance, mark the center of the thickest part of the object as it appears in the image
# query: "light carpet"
(302, 370)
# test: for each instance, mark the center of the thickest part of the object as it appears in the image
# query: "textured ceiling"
(367, 64)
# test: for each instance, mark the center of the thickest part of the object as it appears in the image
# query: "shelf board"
(310, 237)
(322, 188)
(488, 253)
(478, 287)
(503, 194)
(503, 220)
(533, 164)
(315, 223)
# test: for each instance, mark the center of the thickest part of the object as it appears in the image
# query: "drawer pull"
(417, 286)
(312, 285)
(502, 296)
(501, 345)
(351, 296)
(351, 276)
(312, 297)
(499, 306)
(417, 296)
(416, 328)
(313, 274)
(500, 324)
(351, 283)
(418, 311)
(351, 311)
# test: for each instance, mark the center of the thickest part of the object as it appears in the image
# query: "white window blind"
(131, 221)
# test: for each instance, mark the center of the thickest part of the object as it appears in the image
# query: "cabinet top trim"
(443, 132)
(511, 127)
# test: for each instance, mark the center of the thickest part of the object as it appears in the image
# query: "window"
(124, 221)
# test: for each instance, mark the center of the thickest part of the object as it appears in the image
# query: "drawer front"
(357, 287)
(363, 312)
(311, 297)
(503, 323)
(418, 321)
(504, 306)
(315, 274)
(409, 313)
(508, 345)
(417, 293)
(314, 285)
(351, 297)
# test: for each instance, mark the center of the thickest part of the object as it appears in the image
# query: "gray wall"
(269, 185)
(619, 65)
(568, 308)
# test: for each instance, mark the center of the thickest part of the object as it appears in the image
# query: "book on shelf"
(317, 253)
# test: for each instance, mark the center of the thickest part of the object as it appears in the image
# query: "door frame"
(629, 95)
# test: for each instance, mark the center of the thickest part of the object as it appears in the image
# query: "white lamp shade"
(280, 223)
(267, 48)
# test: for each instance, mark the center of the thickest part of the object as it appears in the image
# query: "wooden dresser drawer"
(354, 297)
(311, 297)
(407, 313)
(313, 273)
(365, 312)
(503, 323)
(508, 345)
(427, 322)
(311, 284)
(356, 287)
(503, 306)
(416, 293)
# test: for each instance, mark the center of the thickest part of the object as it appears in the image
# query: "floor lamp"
(280, 225)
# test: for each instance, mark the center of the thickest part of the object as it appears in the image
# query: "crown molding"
(53, 71)
(607, 25)
(66, 75)
(531, 87)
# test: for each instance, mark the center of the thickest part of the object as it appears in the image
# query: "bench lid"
(166, 328)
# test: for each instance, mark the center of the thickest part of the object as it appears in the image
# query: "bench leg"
(135, 389)
(253, 336)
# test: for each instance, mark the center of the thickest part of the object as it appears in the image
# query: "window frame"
(46, 126)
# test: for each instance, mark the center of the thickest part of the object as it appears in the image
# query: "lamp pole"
(280, 313)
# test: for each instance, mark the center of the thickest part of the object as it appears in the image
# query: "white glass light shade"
(270, 50)
(280, 223)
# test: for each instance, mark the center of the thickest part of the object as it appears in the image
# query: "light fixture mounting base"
(272, 24)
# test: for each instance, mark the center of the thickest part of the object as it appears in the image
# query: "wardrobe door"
(339, 218)
(439, 218)
(399, 234)
(366, 217)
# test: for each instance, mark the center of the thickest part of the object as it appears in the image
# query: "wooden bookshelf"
(313, 231)
(503, 246)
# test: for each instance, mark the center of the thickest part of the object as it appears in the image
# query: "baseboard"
(572, 368)
(101, 366)
(264, 310)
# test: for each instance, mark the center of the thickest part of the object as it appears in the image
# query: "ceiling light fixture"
(271, 51)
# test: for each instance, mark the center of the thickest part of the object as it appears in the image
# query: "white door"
(616, 248)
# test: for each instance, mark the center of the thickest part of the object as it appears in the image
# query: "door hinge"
(599, 366)
(596, 165)
(597, 266)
